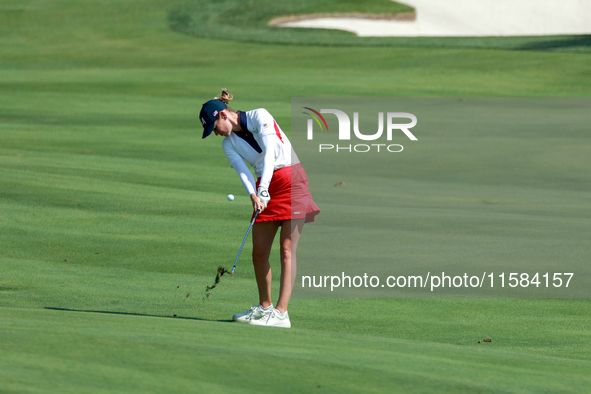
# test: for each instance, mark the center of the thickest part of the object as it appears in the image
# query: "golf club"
(246, 236)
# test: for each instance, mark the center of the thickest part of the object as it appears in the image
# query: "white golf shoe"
(257, 311)
(272, 318)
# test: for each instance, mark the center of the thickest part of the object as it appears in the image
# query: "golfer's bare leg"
(263, 234)
(290, 235)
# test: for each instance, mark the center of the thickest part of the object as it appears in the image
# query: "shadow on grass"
(136, 314)
(571, 42)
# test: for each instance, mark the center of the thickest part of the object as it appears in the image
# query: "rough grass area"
(249, 21)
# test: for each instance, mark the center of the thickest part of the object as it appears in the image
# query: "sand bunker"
(470, 18)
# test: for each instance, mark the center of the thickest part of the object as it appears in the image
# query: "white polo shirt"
(266, 148)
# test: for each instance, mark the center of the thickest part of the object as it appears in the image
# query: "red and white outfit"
(266, 148)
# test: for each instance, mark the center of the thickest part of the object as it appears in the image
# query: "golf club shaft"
(246, 236)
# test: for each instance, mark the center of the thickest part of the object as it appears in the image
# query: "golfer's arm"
(268, 160)
(245, 175)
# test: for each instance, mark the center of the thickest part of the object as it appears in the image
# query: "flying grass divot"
(218, 277)
(222, 270)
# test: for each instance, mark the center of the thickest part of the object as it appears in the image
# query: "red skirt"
(290, 196)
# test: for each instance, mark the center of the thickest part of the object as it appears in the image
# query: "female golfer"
(280, 195)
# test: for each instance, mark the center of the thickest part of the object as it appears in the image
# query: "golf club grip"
(244, 240)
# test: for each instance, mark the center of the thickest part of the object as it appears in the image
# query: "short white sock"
(279, 313)
(270, 307)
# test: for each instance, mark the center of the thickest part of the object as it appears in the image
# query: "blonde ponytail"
(225, 96)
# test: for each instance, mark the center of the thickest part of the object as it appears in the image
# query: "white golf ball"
(230, 197)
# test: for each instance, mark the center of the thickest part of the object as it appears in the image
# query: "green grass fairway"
(113, 217)
(93, 352)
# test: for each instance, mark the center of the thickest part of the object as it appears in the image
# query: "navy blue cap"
(209, 113)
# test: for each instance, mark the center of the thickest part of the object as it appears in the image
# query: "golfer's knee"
(259, 257)
(286, 253)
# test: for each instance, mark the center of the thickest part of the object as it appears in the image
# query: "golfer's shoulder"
(259, 113)
(261, 120)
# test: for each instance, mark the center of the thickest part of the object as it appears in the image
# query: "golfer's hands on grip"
(264, 196)
(257, 204)
(261, 199)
